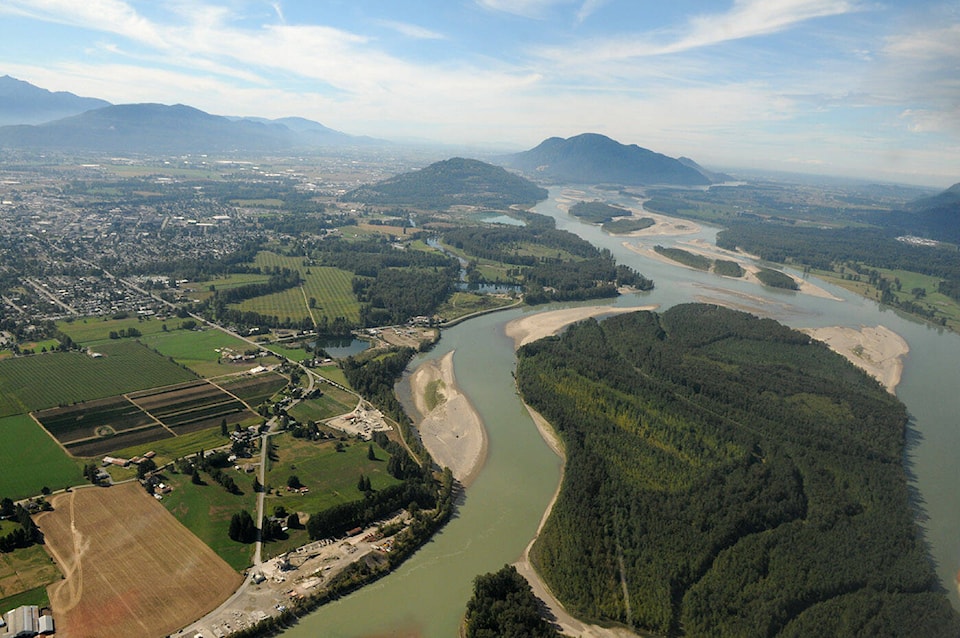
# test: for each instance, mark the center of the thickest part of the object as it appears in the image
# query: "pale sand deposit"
(663, 224)
(806, 287)
(452, 430)
(878, 350)
(544, 324)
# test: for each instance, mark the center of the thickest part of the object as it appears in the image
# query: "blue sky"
(867, 88)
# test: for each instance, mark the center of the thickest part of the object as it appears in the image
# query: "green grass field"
(334, 402)
(294, 354)
(197, 350)
(31, 460)
(333, 373)
(206, 511)
(200, 290)
(331, 476)
(47, 380)
(92, 330)
(24, 576)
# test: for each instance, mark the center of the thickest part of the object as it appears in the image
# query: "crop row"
(255, 390)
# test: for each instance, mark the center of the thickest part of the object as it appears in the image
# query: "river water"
(501, 510)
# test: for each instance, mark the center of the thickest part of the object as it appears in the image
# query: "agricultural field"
(25, 571)
(135, 561)
(334, 402)
(332, 289)
(193, 406)
(294, 354)
(91, 419)
(463, 303)
(204, 351)
(58, 378)
(200, 290)
(206, 511)
(92, 330)
(255, 389)
(170, 449)
(34, 462)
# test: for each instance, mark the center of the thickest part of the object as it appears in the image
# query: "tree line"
(739, 477)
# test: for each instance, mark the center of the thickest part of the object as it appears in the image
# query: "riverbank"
(877, 350)
(544, 324)
(449, 427)
(525, 330)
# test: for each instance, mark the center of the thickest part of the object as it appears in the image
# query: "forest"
(727, 476)
(504, 606)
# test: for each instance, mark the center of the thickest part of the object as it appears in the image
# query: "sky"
(862, 88)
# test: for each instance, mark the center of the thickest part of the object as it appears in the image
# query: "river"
(499, 514)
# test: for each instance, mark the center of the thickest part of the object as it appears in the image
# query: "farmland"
(193, 406)
(92, 330)
(330, 287)
(34, 462)
(203, 350)
(334, 402)
(102, 426)
(206, 511)
(25, 571)
(254, 390)
(43, 381)
(126, 535)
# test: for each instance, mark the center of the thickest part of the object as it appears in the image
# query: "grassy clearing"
(43, 381)
(23, 572)
(206, 511)
(36, 596)
(197, 350)
(294, 354)
(433, 394)
(92, 330)
(465, 303)
(331, 476)
(331, 404)
(333, 373)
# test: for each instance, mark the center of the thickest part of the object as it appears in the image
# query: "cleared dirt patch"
(131, 569)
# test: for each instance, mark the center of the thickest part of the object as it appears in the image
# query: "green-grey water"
(501, 510)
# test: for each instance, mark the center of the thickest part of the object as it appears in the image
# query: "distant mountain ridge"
(591, 158)
(159, 129)
(24, 103)
(452, 182)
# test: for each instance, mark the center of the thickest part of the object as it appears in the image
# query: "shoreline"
(876, 350)
(525, 330)
(452, 430)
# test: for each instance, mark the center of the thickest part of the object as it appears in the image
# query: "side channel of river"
(500, 512)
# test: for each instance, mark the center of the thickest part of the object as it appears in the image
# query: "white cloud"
(746, 19)
(524, 8)
(412, 30)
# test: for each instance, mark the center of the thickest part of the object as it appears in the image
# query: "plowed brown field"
(131, 568)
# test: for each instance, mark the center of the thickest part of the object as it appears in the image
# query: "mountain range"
(38, 119)
(24, 103)
(591, 158)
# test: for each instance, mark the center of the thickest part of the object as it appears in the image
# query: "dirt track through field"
(131, 569)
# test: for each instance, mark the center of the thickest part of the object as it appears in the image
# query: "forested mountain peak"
(591, 158)
(456, 181)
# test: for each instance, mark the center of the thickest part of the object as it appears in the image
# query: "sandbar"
(705, 250)
(663, 224)
(877, 350)
(451, 429)
(544, 324)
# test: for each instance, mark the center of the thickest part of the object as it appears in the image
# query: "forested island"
(727, 476)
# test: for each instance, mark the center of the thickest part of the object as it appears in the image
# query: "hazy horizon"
(853, 88)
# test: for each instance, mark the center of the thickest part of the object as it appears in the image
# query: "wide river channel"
(500, 512)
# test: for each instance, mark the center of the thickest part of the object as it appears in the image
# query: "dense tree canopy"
(732, 477)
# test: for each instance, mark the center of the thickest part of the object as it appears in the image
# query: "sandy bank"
(711, 252)
(662, 224)
(544, 324)
(877, 350)
(450, 429)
